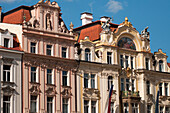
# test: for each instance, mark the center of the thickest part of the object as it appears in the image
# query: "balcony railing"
(130, 94)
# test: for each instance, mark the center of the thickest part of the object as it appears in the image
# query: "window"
(147, 63)
(49, 104)
(33, 74)
(49, 49)
(87, 55)
(86, 106)
(126, 108)
(64, 52)
(148, 108)
(92, 80)
(93, 106)
(166, 89)
(127, 84)
(160, 65)
(147, 87)
(6, 42)
(65, 82)
(110, 82)
(160, 89)
(131, 62)
(65, 105)
(33, 47)
(121, 61)
(161, 109)
(126, 61)
(6, 73)
(167, 109)
(134, 108)
(133, 85)
(112, 107)
(122, 84)
(49, 76)
(109, 57)
(86, 80)
(6, 104)
(33, 103)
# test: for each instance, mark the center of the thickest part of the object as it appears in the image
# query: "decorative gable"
(6, 39)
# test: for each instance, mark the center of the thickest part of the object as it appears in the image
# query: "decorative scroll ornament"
(126, 23)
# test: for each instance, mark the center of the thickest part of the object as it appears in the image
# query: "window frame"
(64, 53)
(35, 102)
(65, 78)
(49, 76)
(87, 54)
(33, 48)
(109, 57)
(49, 50)
(65, 103)
(34, 75)
(7, 103)
(50, 105)
(6, 73)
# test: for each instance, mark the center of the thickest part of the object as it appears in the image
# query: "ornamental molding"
(91, 93)
(66, 91)
(50, 90)
(8, 90)
(35, 89)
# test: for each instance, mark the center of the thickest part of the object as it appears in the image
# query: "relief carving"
(50, 90)
(91, 93)
(35, 88)
(66, 92)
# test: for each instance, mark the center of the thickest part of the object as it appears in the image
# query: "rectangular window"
(6, 73)
(126, 108)
(6, 42)
(109, 57)
(86, 78)
(87, 54)
(33, 47)
(49, 50)
(126, 61)
(86, 106)
(6, 104)
(65, 77)
(134, 108)
(92, 80)
(160, 89)
(49, 76)
(33, 104)
(167, 109)
(147, 63)
(147, 87)
(49, 104)
(133, 85)
(64, 52)
(166, 89)
(110, 82)
(33, 74)
(121, 61)
(131, 62)
(112, 107)
(65, 105)
(161, 109)
(127, 84)
(148, 108)
(93, 106)
(122, 84)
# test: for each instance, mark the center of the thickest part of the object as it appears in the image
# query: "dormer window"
(87, 54)
(6, 42)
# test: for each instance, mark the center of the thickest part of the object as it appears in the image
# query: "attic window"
(6, 42)
(126, 43)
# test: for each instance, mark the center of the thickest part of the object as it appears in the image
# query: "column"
(41, 18)
(56, 21)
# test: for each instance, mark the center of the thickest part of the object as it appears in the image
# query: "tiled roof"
(92, 30)
(16, 16)
(169, 64)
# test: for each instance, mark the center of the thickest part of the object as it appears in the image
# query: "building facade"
(11, 73)
(119, 55)
(48, 76)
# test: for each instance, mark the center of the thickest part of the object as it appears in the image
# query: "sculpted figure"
(48, 22)
(145, 33)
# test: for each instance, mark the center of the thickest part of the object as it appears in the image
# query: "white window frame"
(110, 82)
(51, 49)
(94, 106)
(64, 51)
(7, 71)
(109, 57)
(165, 89)
(65, 101)
(6, 36)
(35, 101)
(88, 54)
(50, 103)
(36, 74)
(50, 74)
(135, 108)
(87, 106)
(148, 87)
(147, 60)
(7, 102)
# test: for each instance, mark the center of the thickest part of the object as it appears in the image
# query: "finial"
(126, 19)
(71, 28)
(41, 1)
(71, 25)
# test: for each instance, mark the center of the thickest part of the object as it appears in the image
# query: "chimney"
(104, 18)
(0, 13)
(86, 18)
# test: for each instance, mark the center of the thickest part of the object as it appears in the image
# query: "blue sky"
(141, 13)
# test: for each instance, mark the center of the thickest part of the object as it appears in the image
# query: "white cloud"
(7, 1)
(114, 6)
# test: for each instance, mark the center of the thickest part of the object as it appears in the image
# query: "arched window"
(87, 54)
(110, 82)
(160, 65)
(126, 43)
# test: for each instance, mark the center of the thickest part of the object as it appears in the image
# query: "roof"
(16, 16)
(92, 30)
(169, 64)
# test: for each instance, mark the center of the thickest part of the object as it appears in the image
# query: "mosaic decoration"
(126, 43)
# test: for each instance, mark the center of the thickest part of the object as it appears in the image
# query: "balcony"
(131, 95)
